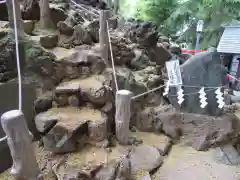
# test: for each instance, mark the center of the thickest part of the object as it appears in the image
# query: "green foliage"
(172, 16)
(155, 10)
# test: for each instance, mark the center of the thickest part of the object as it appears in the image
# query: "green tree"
(173, 16)
(214, 13)
(155, 10)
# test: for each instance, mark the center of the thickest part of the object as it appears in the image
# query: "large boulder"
(31, 10)
(200, 131)
(49, 41)
(67, 126)
(159, 54)
(57, 14)
(202, 70)
(140, 61)
(90, 89)
(41, 69)
(8, 65)
(144, 34)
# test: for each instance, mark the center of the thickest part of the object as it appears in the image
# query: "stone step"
(67, 126)
(78, 62)
(75, 92)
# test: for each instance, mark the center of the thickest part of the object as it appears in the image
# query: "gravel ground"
(185, 163)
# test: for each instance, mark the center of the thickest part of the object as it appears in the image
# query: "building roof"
(230, 40)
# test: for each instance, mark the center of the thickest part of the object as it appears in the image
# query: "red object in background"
(228, 78)
(191, 51)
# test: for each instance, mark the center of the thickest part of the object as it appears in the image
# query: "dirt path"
(184, 163)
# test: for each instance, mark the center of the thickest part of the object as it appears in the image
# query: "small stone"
(43, 103)
(98, 129)
(98, 67)
(73, 101)
(49, 41)
(140, 160)
(28, 26)
(62, 100)
(64, 28)
(44, 121)
(108, 171)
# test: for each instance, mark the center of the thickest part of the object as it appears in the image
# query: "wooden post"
(19, 139)
(103, 34)
(122, 116)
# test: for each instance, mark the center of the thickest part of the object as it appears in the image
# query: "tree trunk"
(116, 6)
(18, 15)
(45, 15)
(109, 2)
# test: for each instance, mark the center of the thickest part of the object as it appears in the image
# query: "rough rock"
(149, 76)
(68, 172)
(140, 160)
(160, 141)
(175, 49)
(40, 68)
(73, 101)
(98, 129)
(4, 24)
(143, 34)
(67, 27)
(64, 28)
(146, 120)
(57, 14)
(227, 154)
(122, 52)
(108, 172)
(159, 54)
(124, 169)
(90, 89)
(31, 10)
(28, 26)
(72, 124)
(167, 118)
(45, 122)
(140, 61)
(204, 70)
(67, 93)
(199, 131)
(49, 41)
(8, 67)
(44, 102)
(81, 36)
(93, 29)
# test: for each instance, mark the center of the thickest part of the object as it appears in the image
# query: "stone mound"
(65, 127)
(90, 89)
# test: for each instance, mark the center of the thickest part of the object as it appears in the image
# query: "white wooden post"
(122, 116)
(19, 139)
